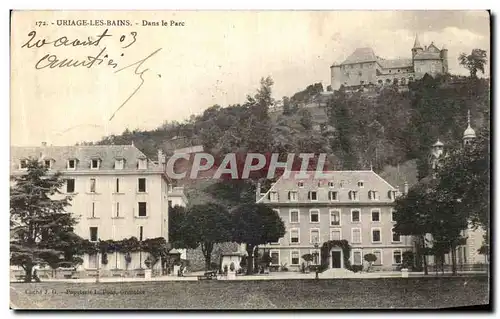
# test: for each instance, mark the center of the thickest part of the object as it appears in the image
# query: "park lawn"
(383, 293)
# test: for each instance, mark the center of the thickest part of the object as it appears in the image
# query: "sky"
(214, 58)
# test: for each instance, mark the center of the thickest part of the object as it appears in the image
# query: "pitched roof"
(361, 55)
(84, 154)
(396, 63)
(427, 56)
(343, 182)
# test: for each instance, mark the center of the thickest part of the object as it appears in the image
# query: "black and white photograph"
(250, 160)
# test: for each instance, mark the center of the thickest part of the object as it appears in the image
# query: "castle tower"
(444, 57)
(469, 133)
(417, 48)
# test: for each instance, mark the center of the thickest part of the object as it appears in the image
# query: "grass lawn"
(433, 292)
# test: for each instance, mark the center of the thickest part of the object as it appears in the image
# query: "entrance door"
(336, 259)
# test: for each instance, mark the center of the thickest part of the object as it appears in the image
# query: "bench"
(208, 275)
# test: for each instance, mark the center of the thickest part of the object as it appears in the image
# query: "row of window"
(335, 216)
(94, 233)
(94, 163)
(70, 185)
(336, 234)
(353, 195)
(356, 258)
(142, 210)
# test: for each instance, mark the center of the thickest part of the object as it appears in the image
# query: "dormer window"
(353, 195)
(23, 164)
(71, 164)
(330, 184)
(372, 195)
(119, 163)
(292, 196)
(312, 195)
(142, 163)
(300, 184)
(361, 184)
(273, 196)
(391, 194)
(95, 163)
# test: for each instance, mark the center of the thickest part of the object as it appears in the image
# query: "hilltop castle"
(363, 67)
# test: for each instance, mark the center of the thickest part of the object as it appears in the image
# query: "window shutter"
(288, 195)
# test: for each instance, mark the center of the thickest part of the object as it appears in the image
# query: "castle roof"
(60, 155)
(427, 56)
(396, 63)
(361, 55)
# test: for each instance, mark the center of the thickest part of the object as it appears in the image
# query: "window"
(378, 254)
(141, 232)
(93, 261)
(373, 195)
(93, 234)
(294, 235)
(376, 236)
(92, 211)
(397, 257)
(142, 185)
(292, 196)
(356, 257)
(119, 163)
(275, 257)
(391, 194)
(70, 186)
(48, 163)
(300, 184)
(353, 195)
(295, 257)
(294, 216)
(142, 209)
(314, 216)
(393, 215)
(334, 218)
(312, 195)
(142, 163)
(117, 209)
(117, 186)
(92, 185)
(330, 184)
(332, 195)
(23, 164)
(314, 236)
(319, 184)
(361, 184)
(375, 215)
(356, 235)
(71, 164)
(273, 196)
(94, 164)
(396, 238)
(355, 216)
(335, 234)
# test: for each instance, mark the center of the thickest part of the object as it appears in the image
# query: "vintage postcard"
(250, 160)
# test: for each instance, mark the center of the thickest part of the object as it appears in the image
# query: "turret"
(417, 48)
(469, 133)
(444, 57)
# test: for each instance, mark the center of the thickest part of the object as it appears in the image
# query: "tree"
(256, 224)
(370, 259)
(210, 224)
(474, 62)
(38, 221)
(180, 232)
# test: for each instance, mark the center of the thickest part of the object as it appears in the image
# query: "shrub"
(356, 268)
(148, 262)
(225, 269)
(231, 267)
(284, 267)
(104, 259)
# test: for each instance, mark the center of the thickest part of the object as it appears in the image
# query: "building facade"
(356, 206)
(117, 193)
(364, 67)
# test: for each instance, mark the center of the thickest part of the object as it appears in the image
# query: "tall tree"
(256, 224)
(474, 62)
(38, 220)
(209, 224)
(180, 231)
